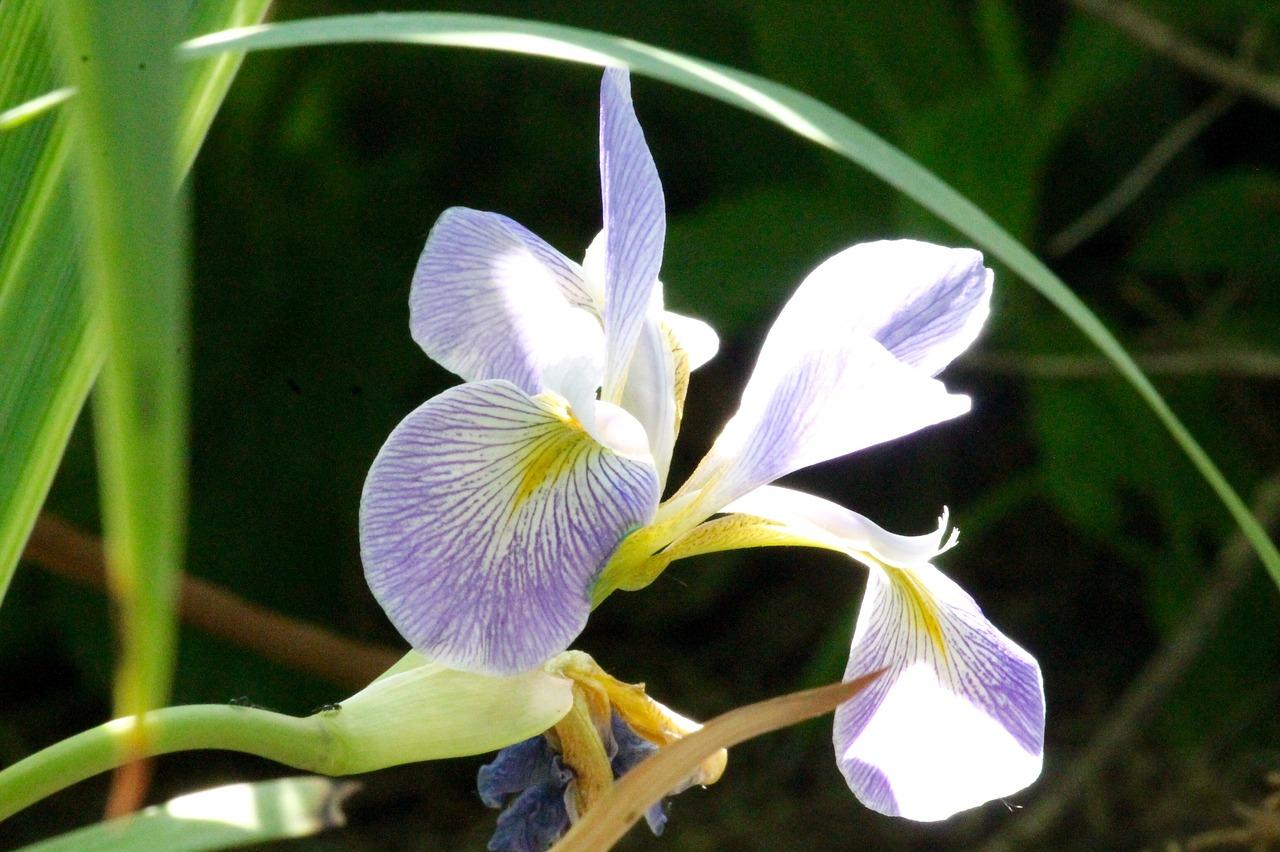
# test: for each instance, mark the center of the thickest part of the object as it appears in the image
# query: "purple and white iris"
(500, 511)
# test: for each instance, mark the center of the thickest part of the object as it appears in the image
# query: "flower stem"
(310, 744)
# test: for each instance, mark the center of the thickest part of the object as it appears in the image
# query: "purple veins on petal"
(810, 400)
(635, 226)
(485, 520)
(924, 303)
(491, 300)
(958, 717)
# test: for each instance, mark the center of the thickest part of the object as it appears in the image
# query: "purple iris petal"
(491, 300)
(485, 520)
(516, 768)
(925, 303)
(533, 822)
(635, 225)
(630, 750)
(810, 400)
(956, 720)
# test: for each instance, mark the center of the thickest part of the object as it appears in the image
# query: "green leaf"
(50, 355)
(803, 115)
(52, 352)
(220, 818)
(886, 69)
(22, 113)
(125, 122)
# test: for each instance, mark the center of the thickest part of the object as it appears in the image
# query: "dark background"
(1086, 535)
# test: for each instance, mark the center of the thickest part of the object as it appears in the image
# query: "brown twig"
(77, 556)
(1140, 177)
(1233, 566)
(1149, 30)
(1153, 162)
(129, 785)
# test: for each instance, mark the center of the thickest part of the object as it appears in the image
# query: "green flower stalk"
(416, 711)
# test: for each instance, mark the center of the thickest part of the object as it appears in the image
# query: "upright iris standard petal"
(650, 392)
(485, 520)
(668, 348)
(635, 226)
(924, 303)
(490, 300)
(958, 717)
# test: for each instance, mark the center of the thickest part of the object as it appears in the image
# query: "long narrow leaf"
(798, 112)
(221, 818)
(125, 119)
(49, 353)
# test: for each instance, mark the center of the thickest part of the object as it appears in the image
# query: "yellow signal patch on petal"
(550, 456)
(922, 606)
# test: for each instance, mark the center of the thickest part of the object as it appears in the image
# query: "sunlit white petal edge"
(957, 719)
(849, 363)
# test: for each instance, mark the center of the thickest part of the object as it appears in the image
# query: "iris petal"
(811, 399)
(635, 226)
(650, 392)
(485, 520)
(958, 717)
(924, 303)
(848, 363)
(668, 348)
(821, 520)
(698, 339)
(491, 300)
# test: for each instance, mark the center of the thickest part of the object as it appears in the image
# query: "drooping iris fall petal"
(957, 719)
(485, 520)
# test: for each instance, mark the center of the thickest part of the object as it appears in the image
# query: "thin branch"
(77, 556)
(1148, 168)
(1253, 364)
(1154, 161)
(1168, 42)
(1132, 714)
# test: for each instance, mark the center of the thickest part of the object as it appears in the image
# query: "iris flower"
(501, 511)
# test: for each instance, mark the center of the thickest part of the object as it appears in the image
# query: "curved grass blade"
(803, 115)
(234, 815)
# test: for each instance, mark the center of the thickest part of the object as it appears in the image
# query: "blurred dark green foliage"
(1086, 533)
